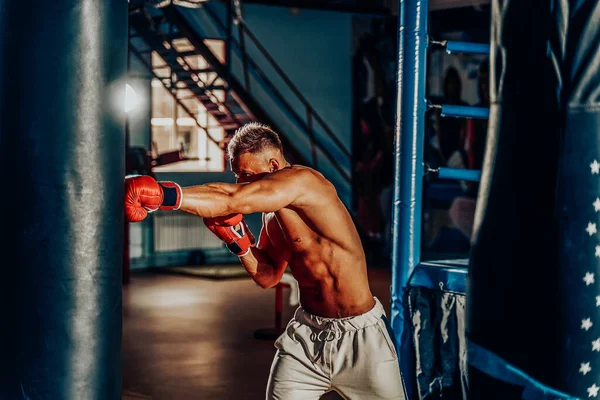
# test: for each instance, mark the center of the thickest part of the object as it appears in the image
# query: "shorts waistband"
(353, 323)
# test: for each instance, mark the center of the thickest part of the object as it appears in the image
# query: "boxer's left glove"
(144, 194)
(233, 231)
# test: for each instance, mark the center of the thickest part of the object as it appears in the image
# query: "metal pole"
(408, 181)
(311, 134)
(228, 40)
(126, 241)
(244, 56)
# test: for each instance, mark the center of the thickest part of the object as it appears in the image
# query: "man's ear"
(274, 165)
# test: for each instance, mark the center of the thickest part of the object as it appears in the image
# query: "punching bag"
(534, 283)
(62, 66)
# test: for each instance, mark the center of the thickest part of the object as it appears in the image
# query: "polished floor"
(187, 338)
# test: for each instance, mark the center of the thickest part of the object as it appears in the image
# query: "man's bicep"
(228, 188)
(271, 193)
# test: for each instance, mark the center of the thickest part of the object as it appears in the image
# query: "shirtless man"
(339, 337)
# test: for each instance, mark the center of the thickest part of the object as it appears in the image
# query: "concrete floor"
(188, 338)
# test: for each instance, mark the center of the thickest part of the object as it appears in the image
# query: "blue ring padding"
(473, 175)
(465, 112)
(450, 276)
(494, 366)
(446, 275)
(467, 47)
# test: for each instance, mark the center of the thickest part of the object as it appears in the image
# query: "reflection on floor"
(186, 338)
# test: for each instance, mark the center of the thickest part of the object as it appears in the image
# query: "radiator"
(136, 241)
(179, 231)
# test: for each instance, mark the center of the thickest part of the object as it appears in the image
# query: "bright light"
(161, 121)
(182, 121)
(131, 98)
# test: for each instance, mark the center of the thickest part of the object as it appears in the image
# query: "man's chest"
(287, 231)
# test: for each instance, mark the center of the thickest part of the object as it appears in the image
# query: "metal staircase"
(166, 32)
(151, 31)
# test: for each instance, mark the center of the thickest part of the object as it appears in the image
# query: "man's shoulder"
(309, 180)
(307, 174)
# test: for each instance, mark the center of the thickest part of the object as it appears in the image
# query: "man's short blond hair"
(253, 137)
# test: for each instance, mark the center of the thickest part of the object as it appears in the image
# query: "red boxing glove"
(144, 194)
(233, 231)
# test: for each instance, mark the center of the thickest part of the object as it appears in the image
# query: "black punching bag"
(534, 276)
(578, 200)
(62, 72)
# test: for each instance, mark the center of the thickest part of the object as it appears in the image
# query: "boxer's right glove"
(233, 231)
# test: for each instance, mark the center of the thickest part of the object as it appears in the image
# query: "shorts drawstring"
(329, 333)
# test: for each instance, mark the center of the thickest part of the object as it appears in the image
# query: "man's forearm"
(260, 268)
(206, 201)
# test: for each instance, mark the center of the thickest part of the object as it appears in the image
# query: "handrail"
(296, 91)
(277, 93)
(282, 74)
(173, 13)
(311, 134)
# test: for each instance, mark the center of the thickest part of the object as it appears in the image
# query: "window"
(183, 128)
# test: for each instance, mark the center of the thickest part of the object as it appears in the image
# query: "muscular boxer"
(339, 337)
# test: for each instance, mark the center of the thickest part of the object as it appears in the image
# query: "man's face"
(250, 167)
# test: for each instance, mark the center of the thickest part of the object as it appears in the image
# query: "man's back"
(317, 238)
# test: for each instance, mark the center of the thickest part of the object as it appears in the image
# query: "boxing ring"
(526, 335)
